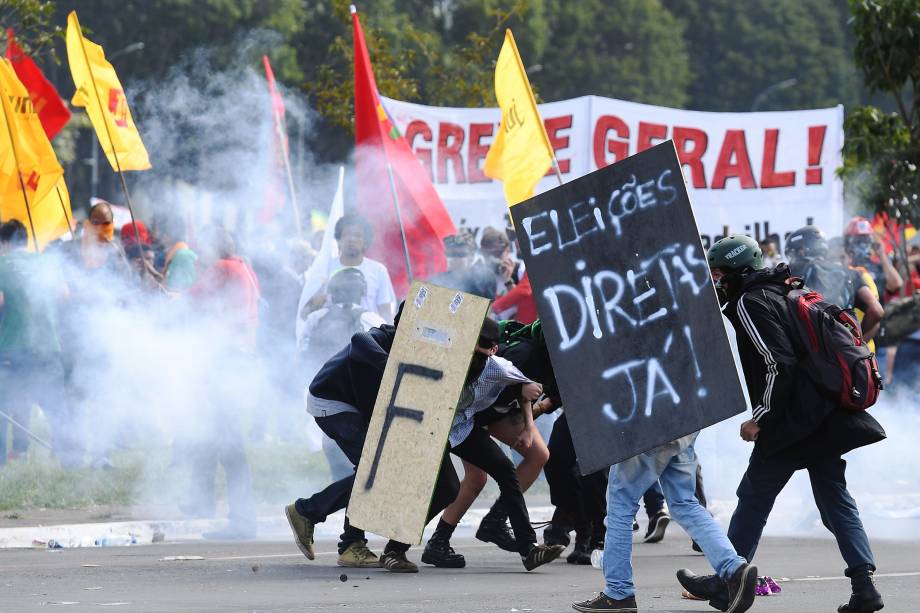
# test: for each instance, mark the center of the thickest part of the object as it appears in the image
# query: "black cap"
(490, 330)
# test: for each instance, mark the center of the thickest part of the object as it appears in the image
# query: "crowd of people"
(229, 307)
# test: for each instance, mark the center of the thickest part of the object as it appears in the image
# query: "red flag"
(274, 190)
(52, 111)
(378, 143)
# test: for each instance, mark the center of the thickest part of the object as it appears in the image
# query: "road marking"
(876, 575)
(319, 553)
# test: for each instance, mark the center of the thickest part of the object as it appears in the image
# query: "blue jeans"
(675, 469)
(765, 478)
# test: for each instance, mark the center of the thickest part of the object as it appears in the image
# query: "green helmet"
(735, 253)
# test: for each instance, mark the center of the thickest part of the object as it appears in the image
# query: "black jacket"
(353, 375)
(793, 415)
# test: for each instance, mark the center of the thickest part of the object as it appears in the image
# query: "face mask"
(862, 251)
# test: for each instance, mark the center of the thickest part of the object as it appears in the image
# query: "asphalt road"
(276, 577)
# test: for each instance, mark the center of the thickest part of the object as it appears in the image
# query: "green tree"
(33, 23)
(882, 151)
(631, 49)
(741, 49)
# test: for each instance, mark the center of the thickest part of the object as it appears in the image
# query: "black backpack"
(830, 348)
(334, 330)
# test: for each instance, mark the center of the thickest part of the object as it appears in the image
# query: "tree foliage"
(885, 148)
(740, 49)
(33, 23)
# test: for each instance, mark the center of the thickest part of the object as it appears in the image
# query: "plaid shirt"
(479, 395)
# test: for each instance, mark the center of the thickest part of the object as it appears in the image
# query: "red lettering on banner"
(733, 162)
(557, 141)
(813, 176)
(603, 145)
(692, 157)
(769, 176)
(477, 152)
(450, 151)
(417, 127)
(649, 131)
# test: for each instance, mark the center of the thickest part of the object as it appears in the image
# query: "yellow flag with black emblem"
(521, 154)
(99, 91)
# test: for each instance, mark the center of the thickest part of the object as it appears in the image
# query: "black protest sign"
(630, 316)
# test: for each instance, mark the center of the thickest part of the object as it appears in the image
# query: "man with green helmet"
(793, 427)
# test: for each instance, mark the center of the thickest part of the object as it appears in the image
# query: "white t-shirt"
(379, 287)
(368, 320)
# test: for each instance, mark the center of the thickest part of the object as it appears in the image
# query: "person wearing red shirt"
(520, 297)
(227, 292)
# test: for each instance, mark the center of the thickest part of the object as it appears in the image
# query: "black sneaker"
(604, 604)
(540, 555)
(741, 589)
(439, 553)
(498, 532)
(657, 524)
(705, 587)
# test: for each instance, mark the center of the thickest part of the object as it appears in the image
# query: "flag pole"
(64, 210)
(22, 184)
(28, 432)
(402, 230)
(121, 174)
(533, 102)
(282, 131)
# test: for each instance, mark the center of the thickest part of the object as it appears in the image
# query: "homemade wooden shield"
(633, 325)
(415, 407)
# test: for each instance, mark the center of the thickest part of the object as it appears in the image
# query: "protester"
(806, 249)
(174, 258)
(98, 250)
(461, 274)
(31, 290)
(487, 378)
(674, 466)
(329, 328)
(509, 421)
(495, 256)
(227, 293)
(517, 303)
(341, 398)
(354, 236)
(794, 425)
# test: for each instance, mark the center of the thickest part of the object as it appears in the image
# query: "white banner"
(753, 173)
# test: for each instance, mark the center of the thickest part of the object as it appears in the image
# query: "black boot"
(557, 532)
(865, 598)
(581, 554)
(495, 529)
(439, 553)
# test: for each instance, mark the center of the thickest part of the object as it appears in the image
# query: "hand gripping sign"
(633, 325)
(415, 407)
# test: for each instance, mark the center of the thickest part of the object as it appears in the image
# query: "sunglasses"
(97, 222)
(485, 343)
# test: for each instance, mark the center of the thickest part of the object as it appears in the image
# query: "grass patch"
(41, 483)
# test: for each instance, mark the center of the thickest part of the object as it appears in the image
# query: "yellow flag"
(100, 92)
(521, 154)
(26, 152)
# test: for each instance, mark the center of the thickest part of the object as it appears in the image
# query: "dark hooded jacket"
(794, 416)
(353, 375)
